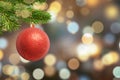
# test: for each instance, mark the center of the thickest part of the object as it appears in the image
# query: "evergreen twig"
(14, 11)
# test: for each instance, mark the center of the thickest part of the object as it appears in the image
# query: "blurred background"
(84, 36)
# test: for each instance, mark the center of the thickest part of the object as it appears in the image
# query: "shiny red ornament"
(32, 44)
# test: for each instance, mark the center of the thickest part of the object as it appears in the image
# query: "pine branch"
(8, 23)
(14, 11)
(38, 17)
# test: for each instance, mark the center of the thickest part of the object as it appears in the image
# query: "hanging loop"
(32, 25)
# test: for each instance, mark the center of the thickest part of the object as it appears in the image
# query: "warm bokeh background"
(84, 36)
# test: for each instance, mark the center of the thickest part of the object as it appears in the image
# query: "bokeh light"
(115, 27)
(53, 16)
(116, 72)
(7, 69)
(1, 66)
(87, 38)
(84, 77)
(50, 60)
(49, 71)
(39, 6)
(68, 22)
(98, 26)
(109, 38)
(82, 52)
(1, 54)
(3, 43)
(92, 3)
(110, 58)
(55, 6)
(64, 73)
(84, 11)
(70, 14)
(61, 64)
(111, 12)
(14, 58)
(38, 74)
(73, 27)
(98, 65)
(88, 29)
(81, 2)
(25, 76)
(85, 51)
(60, 19)
(11, 70)
(73, 64)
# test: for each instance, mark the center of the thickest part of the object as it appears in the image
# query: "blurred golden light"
(111, 12)
(87, 38)
(49, 71)
(85, 51)
(70, 14)
(83, 58)
(50, 60)
(15, 72)
(55, 7)
(82, 52)
(40, 6)
(38, 74)
(84, 11)
(7, 69)
(14, 58)
(10, 70)
(25, 76)
(95, 50)
(25, 13)
(98, 26)
(98, 65)
(110, 58)
(1, 55)
(92, 3)
(60, 19)
(73, 64)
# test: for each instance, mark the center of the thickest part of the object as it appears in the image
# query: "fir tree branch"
(14, 11)
(38, 17)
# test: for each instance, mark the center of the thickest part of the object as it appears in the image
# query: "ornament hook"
(32, 25)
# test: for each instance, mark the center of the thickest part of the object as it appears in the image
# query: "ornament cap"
(32, 25)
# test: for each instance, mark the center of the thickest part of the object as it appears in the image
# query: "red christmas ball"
(32, 44)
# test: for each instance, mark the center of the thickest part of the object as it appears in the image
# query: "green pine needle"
(14, 11)
(38, 17)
